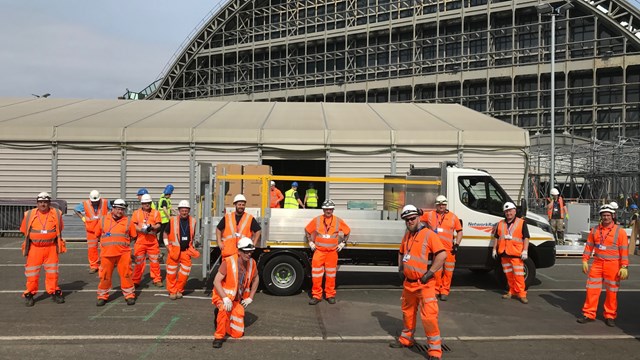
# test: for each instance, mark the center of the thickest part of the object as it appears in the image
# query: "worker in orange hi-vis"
(42, 228)
(610, 247)
(511, 246)
(420, 256)
(179, 240)
(449, 229)
(91, 211)
(234, 288)
(234, 225)
(323, 235)
(147, 222)
(116, 232)
(275, 196)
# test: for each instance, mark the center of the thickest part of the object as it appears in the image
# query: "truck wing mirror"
(522, 209)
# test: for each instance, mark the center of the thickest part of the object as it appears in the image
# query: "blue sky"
(91, 49)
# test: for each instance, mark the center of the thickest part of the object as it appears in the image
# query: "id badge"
(326, 236)
(439, 230)
(508, 237)
(185, 238)
(238, 235)
(43, 231)
(107, 234)
(406, 257)
(602, 247)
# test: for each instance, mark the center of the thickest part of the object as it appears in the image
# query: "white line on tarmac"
(72, 265)
(316, 338)
(187, 296)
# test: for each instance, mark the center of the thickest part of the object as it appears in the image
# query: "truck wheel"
(529, 272)
(283, 275)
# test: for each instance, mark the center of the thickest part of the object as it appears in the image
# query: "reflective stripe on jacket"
(164, 218)
(417, 257)
(290, 201)
(174, 236)
(233, 277)
(114, 238)
(609, 244)
(312, 197)
(327, 239)
(550, 208)
(448, 226)
(92, 217)
(514, 245)
(41, 237)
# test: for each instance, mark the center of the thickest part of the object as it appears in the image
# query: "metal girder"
(618, 13)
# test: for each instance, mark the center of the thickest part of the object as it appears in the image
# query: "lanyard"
(46, 218)
(509, 227)
(146, 215)
(184, 230)
(604, 237)
(411, 240)
(113, 224)
(326, 226)
(440, 220)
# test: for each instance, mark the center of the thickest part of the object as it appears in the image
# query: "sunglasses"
(410, 219)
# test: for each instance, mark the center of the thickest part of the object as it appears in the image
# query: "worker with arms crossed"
(421, 255)
(449, 229)
(234, 288)
(147, 223)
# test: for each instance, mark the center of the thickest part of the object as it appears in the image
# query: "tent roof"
(270, 124)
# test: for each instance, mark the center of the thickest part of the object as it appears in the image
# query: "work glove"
(227, 304)
(425, 278)
(312, 245)
(624, 273)
(341, 246)
(494, 254)
(585, 267)
(246, 302)
(455, 249)
(84, 219)
(525, 255)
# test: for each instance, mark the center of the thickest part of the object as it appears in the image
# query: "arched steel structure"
(492, 56)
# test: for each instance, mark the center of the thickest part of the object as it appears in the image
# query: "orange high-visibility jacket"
(42, 233)
(92, 217)
(232, 231)
(326, 234)
(115, 236)
(418, 249)
(550, 208)
(607, 243)
(141, 217)
(174, 231)
(515, 245)
(444, 225)
(235, 288)
(276, 197)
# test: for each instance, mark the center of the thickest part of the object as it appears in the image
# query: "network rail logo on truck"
(484, 227)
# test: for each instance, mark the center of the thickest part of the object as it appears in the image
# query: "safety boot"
(610, 322)
(131, 301)
(314, 301)
(396, 344)
(158, 283)
(584, 320)
(331, 300)
(217, 343)
(28, 300)
(507, 296)
(57, 297)
(524, 300)
(173, 296)
(93, 270)
(101, 302)
(444, 297)
(179, 295)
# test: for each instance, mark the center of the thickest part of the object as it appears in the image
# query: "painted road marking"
(71, 265)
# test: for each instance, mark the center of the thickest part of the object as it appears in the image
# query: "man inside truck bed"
(449, 229)
(323, 234)
(235, 225)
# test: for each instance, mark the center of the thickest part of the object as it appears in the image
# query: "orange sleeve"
(311, 226)
(155, 218)
(98, 228)
(132, 230)
(434, 243)
(588, 247)
(457, 223)
(346, 230)
(624, 247)
(23, 225)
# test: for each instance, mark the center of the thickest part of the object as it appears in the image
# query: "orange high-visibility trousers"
(443, 276)
(39, 257)
(607, 271)
(324, 262)
(107, 264)
(231, 323)
(513, 269)
(141, 252)
(424, 297)
(92, 250)
(178, 273)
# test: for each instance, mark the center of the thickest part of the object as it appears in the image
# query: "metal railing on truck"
(217, 182)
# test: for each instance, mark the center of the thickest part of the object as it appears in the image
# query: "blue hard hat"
(634, 207)
(294, 184)
(142, 191)
(168, 190)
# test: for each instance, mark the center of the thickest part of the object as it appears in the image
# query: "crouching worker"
(178, 238)
(234, 287)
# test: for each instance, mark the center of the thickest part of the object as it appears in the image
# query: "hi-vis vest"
(234, 232)
(236, 286)
(605, 246)
(92, 217)
(41, 237)
(510, 241)
(163, 217)
(327, 239)
(174, 237)
(446, 232)
(114, 240)
(417, 257)
(560, 204)
(312, 198)
(290, 201)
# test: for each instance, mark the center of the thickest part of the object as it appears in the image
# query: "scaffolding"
(587, 171)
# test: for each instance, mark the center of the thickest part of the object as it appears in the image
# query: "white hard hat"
(119, 203)
(606, 208)
(43, 196)
(273, 183)
(555, 192)
(441, 199)
(613, 205)
(408, 210)
(328, 204)
(239, 197)
(245, 244)
(184, 204)
(94, 195)
(146, 198)
(508, 206)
